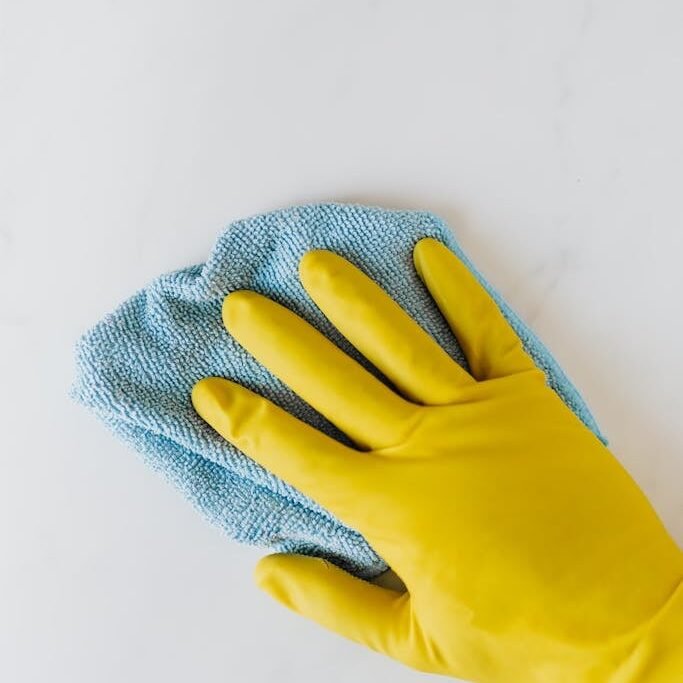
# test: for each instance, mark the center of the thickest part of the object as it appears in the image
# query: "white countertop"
(547, 133)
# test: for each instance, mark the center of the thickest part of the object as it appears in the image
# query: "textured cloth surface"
(136, 368)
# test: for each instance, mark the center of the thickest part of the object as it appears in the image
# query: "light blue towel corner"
(135, 368)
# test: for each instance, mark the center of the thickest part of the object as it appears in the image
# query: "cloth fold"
(136, 368)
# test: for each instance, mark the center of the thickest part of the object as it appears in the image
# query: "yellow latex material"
(528, 553)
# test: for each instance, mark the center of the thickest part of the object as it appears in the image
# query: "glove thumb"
(317, 589)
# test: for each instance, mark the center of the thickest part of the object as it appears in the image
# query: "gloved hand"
(528, 553)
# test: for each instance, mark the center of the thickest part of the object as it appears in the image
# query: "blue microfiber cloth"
(137, 366)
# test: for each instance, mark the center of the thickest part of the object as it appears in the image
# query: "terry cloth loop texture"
(136, 368)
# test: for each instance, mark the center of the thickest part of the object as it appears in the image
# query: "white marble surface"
(547, 133)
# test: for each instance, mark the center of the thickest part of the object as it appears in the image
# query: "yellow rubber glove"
(528, 553)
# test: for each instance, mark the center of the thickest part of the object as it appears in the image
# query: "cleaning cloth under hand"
(136, 368)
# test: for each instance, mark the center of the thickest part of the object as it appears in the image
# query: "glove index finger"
(320, 467)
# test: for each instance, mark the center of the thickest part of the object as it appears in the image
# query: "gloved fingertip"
(239, 306)
(270, 576)
(316, 266)
(422, 248)
(204, 392)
